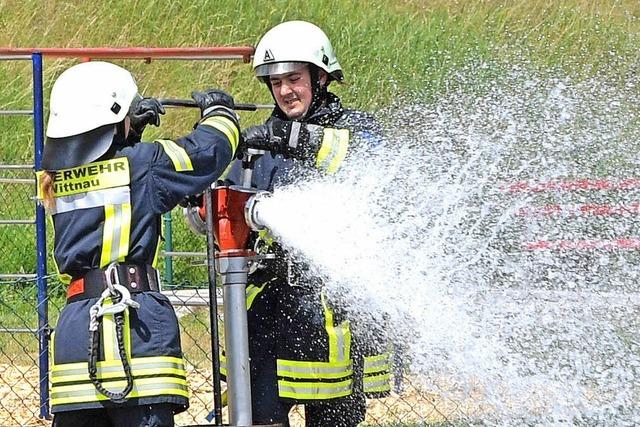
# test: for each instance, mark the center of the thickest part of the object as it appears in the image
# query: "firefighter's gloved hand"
(294, 139)
(215, 102)
(258, 137)
(192, 201)
(141, 113)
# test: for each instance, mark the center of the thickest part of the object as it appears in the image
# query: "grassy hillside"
(388, 48)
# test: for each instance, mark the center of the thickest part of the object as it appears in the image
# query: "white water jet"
(493, 233)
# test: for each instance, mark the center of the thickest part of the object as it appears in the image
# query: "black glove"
(291, 139)
(192, 201)
(141, 113)
(214, 102)
(258, 137)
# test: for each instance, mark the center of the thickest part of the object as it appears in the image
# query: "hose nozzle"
(252, 211)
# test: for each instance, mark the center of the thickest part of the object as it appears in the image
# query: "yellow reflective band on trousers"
(109, 337)
(227, 127)
(115, 235)
(333, 149)
(376, 383)
(338, 367)
(377, 363)
(90, 177)
(314, 390)
(314, 370)
(179, 157)
(160, 375)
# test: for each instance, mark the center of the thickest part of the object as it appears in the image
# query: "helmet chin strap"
(121, 139)
(318, 91)
(118, 141)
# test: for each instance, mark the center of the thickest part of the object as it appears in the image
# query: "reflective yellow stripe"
(223, 364)
(377, 363)
(115, 234)
(155, 365)
(333, 149)
(313, 370)
(142, 387)
(377, 383)
(315, 390)
(63, 277)
(154, 263)
(339, 337)
(251, 292)
(227, 127)
(179, 157)
(338, 366)
(90, 177)
(109, 336)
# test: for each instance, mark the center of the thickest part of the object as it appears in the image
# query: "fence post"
(41, 241)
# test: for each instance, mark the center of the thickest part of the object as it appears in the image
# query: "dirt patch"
(20, 402)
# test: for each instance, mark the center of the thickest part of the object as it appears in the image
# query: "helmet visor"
(266, 70)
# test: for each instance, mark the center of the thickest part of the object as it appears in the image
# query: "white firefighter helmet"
(288, 46)
(87, 100)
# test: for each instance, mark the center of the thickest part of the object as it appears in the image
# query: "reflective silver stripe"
(178, 155)
(313, 369)
(115, 233)
(319, 390)
(294, 134)
(160, 384)
(93, 199)
(340, 342)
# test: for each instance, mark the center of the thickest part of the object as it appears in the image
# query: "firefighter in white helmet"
(106, 193)
(303, 349)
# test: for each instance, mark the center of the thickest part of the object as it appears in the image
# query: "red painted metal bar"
(629, 243)
(147, 53)
(575, 185)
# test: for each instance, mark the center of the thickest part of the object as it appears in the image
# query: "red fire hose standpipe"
(230, 216)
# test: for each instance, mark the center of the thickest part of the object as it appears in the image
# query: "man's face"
(293, 92)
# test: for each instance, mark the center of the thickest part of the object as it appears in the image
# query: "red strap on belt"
(76, 287)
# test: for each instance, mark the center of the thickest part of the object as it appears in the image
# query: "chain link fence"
(20, 382)
(184, 282)
(411, 403)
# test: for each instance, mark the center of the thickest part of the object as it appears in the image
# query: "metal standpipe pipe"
(229, 205)
(233, 271)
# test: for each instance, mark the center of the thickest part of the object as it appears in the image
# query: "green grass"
(389, 50)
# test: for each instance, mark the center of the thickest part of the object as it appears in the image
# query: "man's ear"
(323, 78)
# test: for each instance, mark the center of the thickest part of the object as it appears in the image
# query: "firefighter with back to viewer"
(117, 358)
(303, 349)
